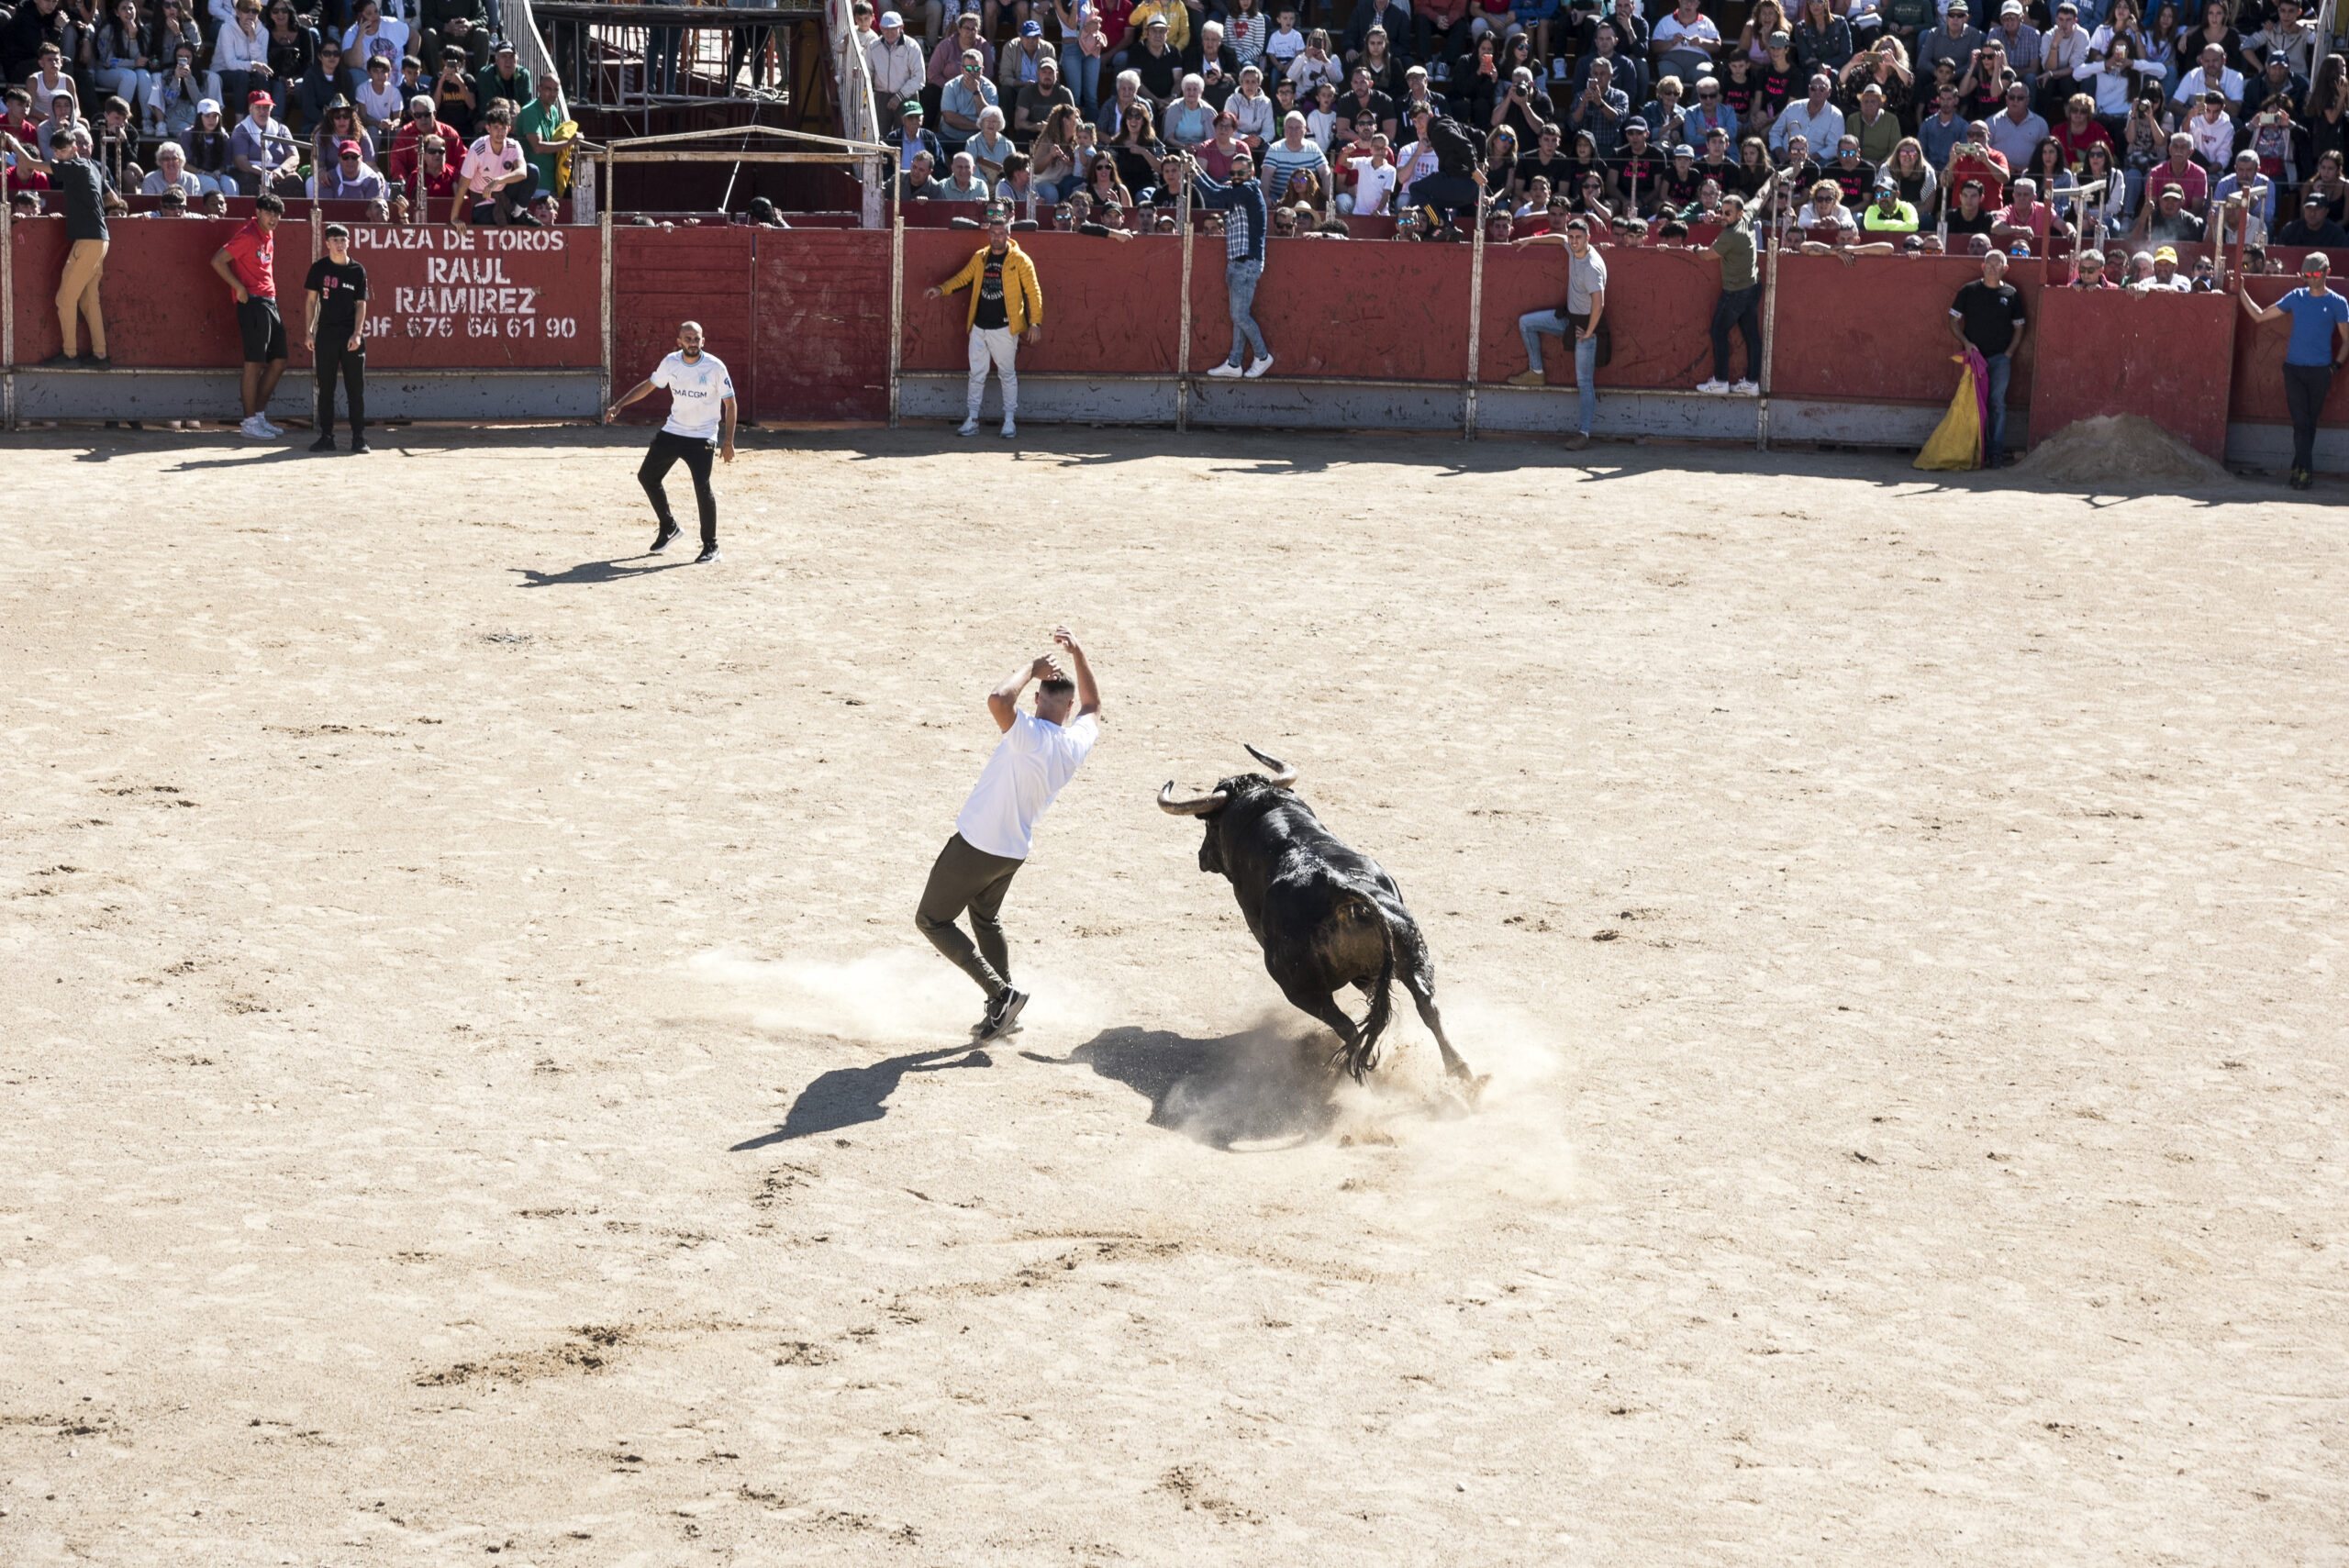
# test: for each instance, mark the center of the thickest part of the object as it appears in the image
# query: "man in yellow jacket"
(1005, 304)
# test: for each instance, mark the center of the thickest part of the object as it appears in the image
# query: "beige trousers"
(77, 295)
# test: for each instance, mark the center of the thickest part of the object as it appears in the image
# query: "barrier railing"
(836, 318)
(623, 58)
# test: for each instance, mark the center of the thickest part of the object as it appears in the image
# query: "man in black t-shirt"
(1854, 175)
(1987, 316)
(79, 186)
(336, 292)
(1546, 161)
(1638, 168)
(1969, 216)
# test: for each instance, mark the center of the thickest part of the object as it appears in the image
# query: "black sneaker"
(323, 444)
(359, 444)
(1003, 1013)
(709, 553)
(97, 361)
(60, 360)
(668, 531)
(2302, 479)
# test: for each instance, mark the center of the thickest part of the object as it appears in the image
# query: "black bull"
(1327, 916)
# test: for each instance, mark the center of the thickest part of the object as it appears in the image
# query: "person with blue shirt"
(2319, 346)
(1242, 203)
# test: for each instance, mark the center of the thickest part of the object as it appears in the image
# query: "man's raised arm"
(1003, 701)
(1088, 695)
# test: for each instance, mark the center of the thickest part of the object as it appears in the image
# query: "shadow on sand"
(1265, 1087)
(847, 1095)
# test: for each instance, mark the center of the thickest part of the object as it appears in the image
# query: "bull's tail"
(1365, 1054)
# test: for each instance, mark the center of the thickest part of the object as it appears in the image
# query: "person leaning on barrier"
(1006, 307)
(1579, 319)
(1739, 304)
(1246, 225)
(80, 188)
(1987, 316)
(2087, 270)
(247, 264)
(2319, 346)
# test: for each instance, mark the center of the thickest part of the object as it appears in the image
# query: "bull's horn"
(1199, 807)
(1283, 774)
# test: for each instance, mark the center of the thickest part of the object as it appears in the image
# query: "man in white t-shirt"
(701, 418)
(996, 830)
(496, 181)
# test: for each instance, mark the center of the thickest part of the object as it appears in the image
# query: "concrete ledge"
(2270, 447)
(390, 394)
(1044, 399)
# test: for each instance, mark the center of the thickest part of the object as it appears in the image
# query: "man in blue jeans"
(1577, 319)
(1987, 316)
(1243, 202)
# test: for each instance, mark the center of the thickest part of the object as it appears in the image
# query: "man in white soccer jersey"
(1038, 754)
(701, 418)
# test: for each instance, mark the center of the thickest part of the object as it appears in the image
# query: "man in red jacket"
(400, 166)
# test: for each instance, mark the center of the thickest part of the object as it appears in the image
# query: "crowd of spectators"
(1902, 124)
(192, 103)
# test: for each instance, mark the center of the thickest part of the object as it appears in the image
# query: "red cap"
(347, 149)
(252, 98)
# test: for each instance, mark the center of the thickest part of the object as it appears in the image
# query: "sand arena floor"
(474, 1092)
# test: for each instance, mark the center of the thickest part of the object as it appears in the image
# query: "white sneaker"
(1009, 430)
(251, 426)
(1258, 367)
(1715, 387)
(967, 428)
(1747, 389)
(1227, 370)
(267, 428)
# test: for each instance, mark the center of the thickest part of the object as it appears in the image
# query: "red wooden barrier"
(1109, 308)
(1661, 303)
(822, 326)
(442, 299)
(802, 316)
(663, 277)
(1877, 330)
(1379, 310)
(2109, 351)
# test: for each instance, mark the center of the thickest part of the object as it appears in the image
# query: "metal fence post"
(1476, 323)
(1183, 340)
(7, 321)
(604, 227)
(1776, 241)
(897, 293)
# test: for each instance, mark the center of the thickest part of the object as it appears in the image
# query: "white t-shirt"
(1030, 763)
(696, 393)
(1373, 182)
(483, 166)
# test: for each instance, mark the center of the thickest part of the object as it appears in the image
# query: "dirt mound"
(2127, 451)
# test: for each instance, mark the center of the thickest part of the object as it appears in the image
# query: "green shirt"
(1901, 219)
(542, 120)
(1734, 245)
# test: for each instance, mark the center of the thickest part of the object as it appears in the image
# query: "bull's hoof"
(1470, 1090)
